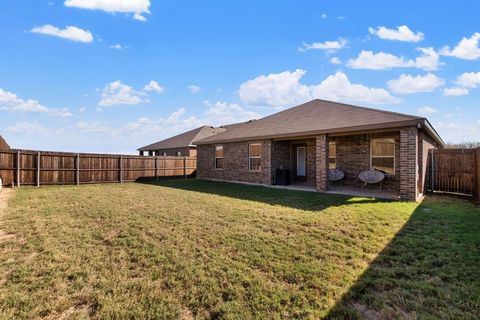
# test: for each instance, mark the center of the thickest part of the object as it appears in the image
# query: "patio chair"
(371, 177)
(336, 175)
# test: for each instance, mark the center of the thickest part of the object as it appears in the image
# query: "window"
(332, 155)
(254, 156)
(164, 154)
(219, 155)
(179, 153)
(382, 155)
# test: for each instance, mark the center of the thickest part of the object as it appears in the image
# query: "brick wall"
(408, 163)
(235, 163)
(353, 157)
(283, 153)
(425, 143)
(321, 148)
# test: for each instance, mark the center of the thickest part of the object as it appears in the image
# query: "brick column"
(408, 163)
(321, 162)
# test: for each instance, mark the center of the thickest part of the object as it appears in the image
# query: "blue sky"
(105, 76)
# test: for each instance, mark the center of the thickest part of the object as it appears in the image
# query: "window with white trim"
(254, 156)
(332, 155)
(382, 155)
(219, 156)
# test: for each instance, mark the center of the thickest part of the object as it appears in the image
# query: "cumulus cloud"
(221, 113)
(427, 110)
(467, 48)
(153, 86)
(402, 33)
(276, 89)
(12, 103)
(407, 84)
(328, 46)
(335, 60)
(284, 89)
(194, 88)
(455, 91)
(117, 93)
(338, 87)
(468, 79)
(378, 61)
(70, 32)
(429, 61)
(137, 7)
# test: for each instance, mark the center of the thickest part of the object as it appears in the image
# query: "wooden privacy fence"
(26, 167)
(455, 171)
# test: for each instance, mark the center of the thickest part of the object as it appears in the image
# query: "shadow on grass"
(303, 200)
(429, 270)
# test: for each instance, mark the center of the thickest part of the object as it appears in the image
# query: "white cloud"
(338, 87)
(429, 60)
(116, 46)
(335, 60)
(117, 93)
(221, 113)
(328, 46)
(10, 102)
(276, 89)
(29, 129)
(469, 79)
(284, 89)
(323, 16)
(455, 91)
(467, 48)
(408, 84)
(82, 109)
(427, 110)
(137, 7)
(70, 32)
(194, 89)
(402, 33)
(378, 61)
(153, 86)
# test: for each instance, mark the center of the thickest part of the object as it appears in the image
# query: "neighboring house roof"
(3, 144)
(186, 139)
(319, 117)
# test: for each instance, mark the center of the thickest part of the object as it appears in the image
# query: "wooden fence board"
(452, 171)
(27, 167)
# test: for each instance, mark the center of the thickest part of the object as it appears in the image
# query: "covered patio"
(307, 162)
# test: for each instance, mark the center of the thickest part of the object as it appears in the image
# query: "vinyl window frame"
(330, 155)
(215, 157)
(250, 157)
(392, 140)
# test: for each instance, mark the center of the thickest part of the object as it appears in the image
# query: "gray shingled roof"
(185, 139)
(317, 117)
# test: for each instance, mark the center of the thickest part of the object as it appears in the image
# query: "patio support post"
(408, 163)
(321, 162)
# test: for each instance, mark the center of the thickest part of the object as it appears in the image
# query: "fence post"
(38, 169)
(77, 169)
(18, 168)
(156, 168)
(185, 167)
(120, 169)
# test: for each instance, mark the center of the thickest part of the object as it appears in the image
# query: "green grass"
(191, 249)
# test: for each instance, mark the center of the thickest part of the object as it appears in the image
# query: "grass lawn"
(187, 249)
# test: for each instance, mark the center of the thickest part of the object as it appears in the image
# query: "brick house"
(180, 145)
(314, 137)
